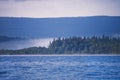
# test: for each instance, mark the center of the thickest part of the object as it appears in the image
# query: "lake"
(60, 67)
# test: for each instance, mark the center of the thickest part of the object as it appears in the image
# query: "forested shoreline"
(74, 45)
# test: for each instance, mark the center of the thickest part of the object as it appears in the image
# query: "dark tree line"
(91, 45)
(6, 38)
(31, 50)
(75, 45)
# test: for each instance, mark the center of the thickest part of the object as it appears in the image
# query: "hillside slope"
(59, 27)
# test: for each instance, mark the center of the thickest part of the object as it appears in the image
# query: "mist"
(20, 44)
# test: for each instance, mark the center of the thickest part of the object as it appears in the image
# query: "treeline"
(103, 45)
(75, 45)
(6, 38)
(31, 50)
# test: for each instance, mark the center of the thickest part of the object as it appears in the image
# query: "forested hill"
(92, 45)
(75, 45)
(59, 27)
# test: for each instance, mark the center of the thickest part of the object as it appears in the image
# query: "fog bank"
(20, 44)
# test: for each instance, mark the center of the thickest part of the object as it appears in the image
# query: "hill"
(59, 27)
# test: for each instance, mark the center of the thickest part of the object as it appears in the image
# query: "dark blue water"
(59, 67)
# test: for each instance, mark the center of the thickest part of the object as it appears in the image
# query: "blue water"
(59, 67)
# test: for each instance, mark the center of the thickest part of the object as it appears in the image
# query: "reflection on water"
(59, 67)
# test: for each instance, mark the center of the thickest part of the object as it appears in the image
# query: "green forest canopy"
(75, 45)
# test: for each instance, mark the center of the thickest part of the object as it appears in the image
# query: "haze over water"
(20, 44)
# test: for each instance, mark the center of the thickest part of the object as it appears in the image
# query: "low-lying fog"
(20, 44)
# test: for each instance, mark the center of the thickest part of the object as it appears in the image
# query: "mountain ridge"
(59, 27)
(58, 17)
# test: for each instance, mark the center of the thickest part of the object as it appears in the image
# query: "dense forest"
(78, 45)
(75, 45)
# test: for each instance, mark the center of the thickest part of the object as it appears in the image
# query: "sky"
(58, 8)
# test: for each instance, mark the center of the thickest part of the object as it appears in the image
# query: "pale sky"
(59, 8)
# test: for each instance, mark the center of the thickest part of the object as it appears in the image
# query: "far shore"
(63, 55)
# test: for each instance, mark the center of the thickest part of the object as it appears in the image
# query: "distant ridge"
(59, 27)
(58, 17)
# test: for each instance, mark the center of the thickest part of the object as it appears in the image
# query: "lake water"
(59, 67)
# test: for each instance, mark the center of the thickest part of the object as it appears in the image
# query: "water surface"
(60, 67)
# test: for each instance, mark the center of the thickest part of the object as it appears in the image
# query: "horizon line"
(60, 17)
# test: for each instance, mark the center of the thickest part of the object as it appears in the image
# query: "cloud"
(59, 8)
(20, 0)
(30, 0)
(4, 0)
